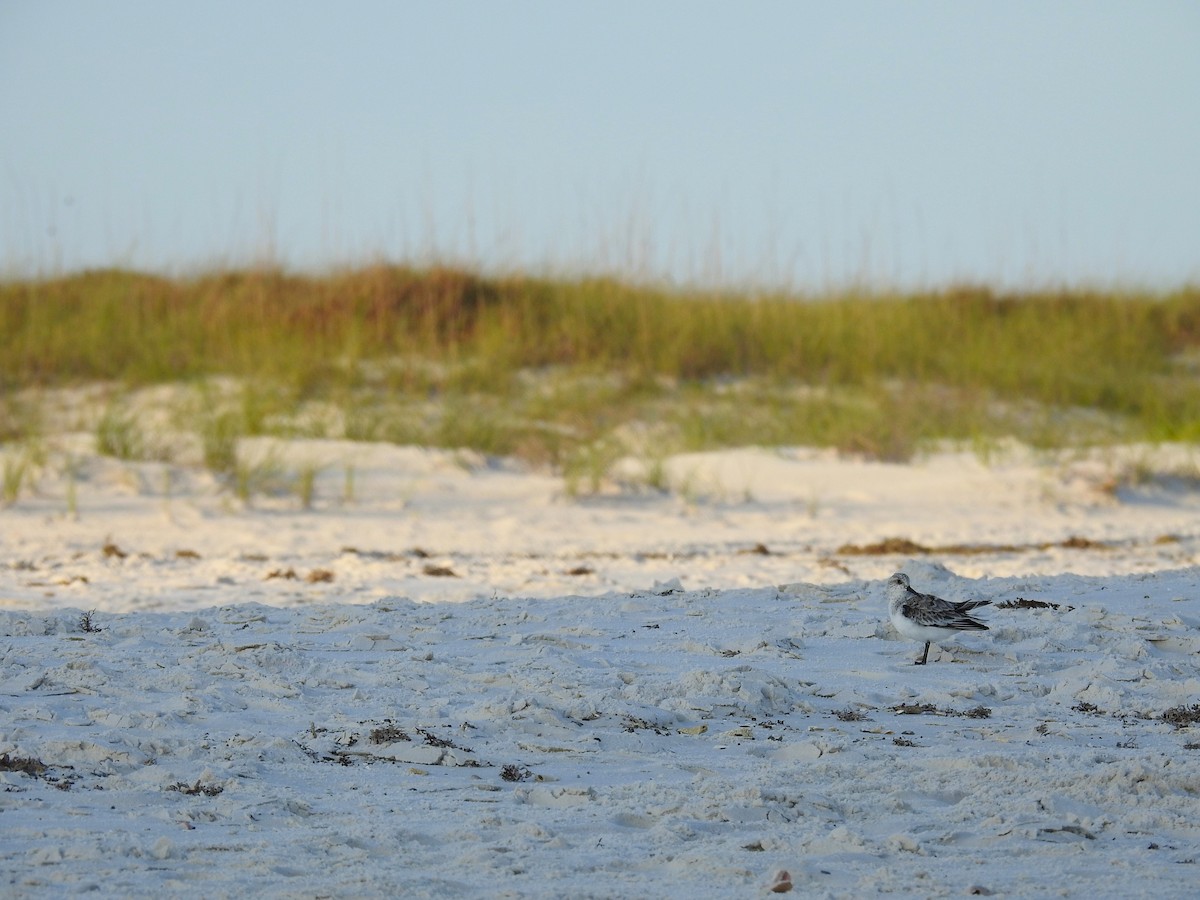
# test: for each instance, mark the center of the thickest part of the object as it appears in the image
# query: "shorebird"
(924, 617)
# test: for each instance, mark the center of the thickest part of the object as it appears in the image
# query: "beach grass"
(14, 470)
(558, 371)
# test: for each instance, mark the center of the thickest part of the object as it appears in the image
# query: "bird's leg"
(924, 656)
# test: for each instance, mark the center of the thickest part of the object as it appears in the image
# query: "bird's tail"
(968, 605)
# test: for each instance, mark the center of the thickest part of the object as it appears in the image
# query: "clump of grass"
(915, 709)
(306, 482)
(516, 773)
(849, 715)
(118, 435)
(197, 789)
(1182, 716)
(15, 471)
(1143, 473)
(918, 709)
(29, 765)
(71, 469)
(21, 415)
(632, 724)
(434, 740)
(259, 476)
(655, 475)
(87, 623)
(387, 734)
(218, 438)
(587, 467)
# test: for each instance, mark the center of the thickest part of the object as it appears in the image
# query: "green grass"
(558, 372)
(265, 475)
(14, 471)
(306, 484)
(119, 435)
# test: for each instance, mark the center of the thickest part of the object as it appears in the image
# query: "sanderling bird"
(924, 617)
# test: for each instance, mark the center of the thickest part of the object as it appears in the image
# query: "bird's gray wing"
(926, 609)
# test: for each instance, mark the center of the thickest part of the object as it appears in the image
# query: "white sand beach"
(459, 680)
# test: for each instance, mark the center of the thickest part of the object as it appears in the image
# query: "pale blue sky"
(796, 143)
